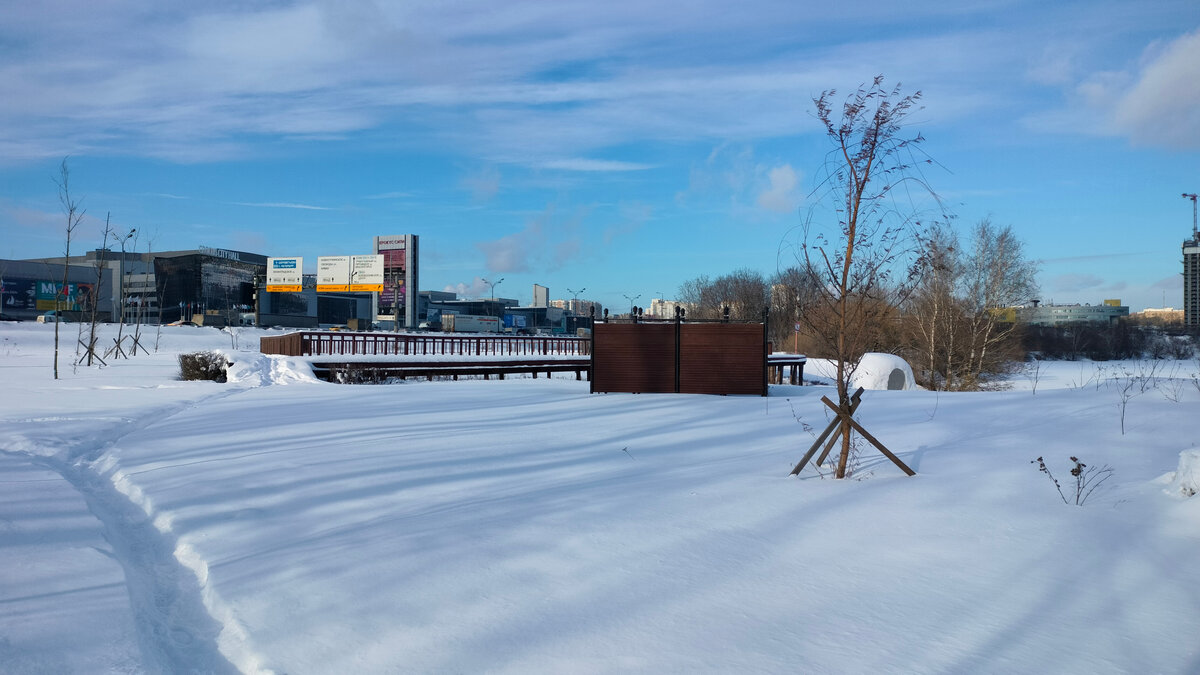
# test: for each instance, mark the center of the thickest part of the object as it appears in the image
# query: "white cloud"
(476, 288)
(546, 243)
(732, 173)
(782, 192)
(1162, 107)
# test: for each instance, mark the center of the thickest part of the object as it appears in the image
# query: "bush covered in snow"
(204, 366)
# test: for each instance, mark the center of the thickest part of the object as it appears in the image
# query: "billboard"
(74, 298)
(285, 275)
(366, 273)
(333, 274)
(394, 252)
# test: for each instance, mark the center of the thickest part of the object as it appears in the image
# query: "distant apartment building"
(579, 307)
(1160, 315)
(1191, 281)
(663, 309)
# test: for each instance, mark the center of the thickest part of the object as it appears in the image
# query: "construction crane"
(1192, 197)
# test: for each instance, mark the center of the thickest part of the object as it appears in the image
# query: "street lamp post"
(631, 301)
(492, 290)
(575, 299)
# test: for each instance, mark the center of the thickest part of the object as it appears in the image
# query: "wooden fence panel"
(691, 358)
(635, 358)
(722, 358)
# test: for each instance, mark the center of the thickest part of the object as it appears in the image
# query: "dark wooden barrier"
(693, 358)
(335, 343)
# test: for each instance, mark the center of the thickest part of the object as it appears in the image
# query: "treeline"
(1105, 342)
(951, 324)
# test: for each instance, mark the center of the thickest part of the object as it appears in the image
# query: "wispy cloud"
(545, 244)
(483, 184)
(585, 164)
(1099, 256)
(284, 205)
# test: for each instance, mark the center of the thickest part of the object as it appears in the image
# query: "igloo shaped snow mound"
(875, 371)
(883, 371)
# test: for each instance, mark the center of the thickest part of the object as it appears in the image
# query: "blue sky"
(621, 147)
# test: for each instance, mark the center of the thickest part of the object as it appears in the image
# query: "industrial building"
(1053, 315)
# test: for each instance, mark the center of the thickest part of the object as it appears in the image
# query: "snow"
(277, 523)
(1185, 482)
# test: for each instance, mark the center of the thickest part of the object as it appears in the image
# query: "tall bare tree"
(860, 255)
(934, 310)
(997, 276)
(959, 327)
(94, 317)
(74, 211)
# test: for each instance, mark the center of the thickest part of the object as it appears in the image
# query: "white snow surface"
(527, 526)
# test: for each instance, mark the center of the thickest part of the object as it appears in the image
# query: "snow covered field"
(281, 524)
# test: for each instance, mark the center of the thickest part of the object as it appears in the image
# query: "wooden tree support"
(136, 340)
(855, 399)
(89, 350)
(835, 429)
(116, 351)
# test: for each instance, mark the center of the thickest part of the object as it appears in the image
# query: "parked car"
(184, 323)
(51, 316)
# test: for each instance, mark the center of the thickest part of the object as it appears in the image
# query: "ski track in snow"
(177, 632)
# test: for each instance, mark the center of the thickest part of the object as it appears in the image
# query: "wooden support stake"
(854, 401)
(871, 439)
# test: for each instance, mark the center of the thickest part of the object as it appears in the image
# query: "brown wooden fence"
(692, 358)
(328, 343)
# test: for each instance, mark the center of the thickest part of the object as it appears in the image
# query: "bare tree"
(74, 211)
(960, 317)
(118, 349)
(998, 276)
(93, 319)
(934, 311)
(861, 258)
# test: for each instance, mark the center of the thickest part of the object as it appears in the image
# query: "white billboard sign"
(366, 273)
(285, 275)
(333, 274)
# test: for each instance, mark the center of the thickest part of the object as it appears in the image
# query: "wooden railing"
(328, 343)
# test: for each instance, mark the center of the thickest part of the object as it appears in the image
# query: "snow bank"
(1186, 480)
(258, 370)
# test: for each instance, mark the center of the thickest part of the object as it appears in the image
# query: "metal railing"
(323, 343)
